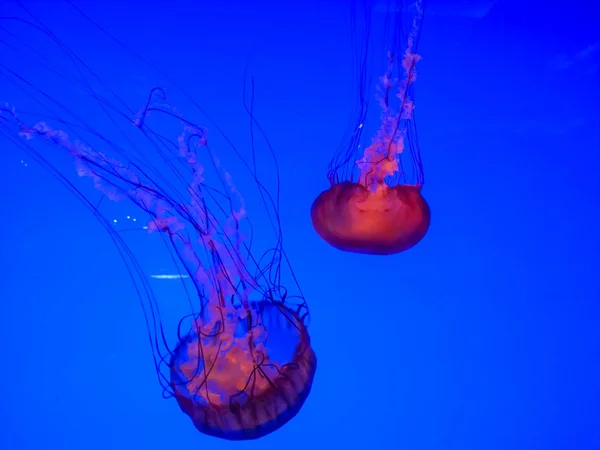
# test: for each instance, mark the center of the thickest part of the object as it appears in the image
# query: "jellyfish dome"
(352, 218)
(230, 385)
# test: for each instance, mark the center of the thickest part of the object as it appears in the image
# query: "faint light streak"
(169, 277)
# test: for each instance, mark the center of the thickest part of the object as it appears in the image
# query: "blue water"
(484, 336)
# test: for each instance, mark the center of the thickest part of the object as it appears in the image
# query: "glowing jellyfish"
(240, 362)
(374, 204)
(242, 365)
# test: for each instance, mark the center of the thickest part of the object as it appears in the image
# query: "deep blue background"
(484, 336)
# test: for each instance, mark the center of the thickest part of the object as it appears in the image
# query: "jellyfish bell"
(237, 396)
(383, 212)
(351, 218)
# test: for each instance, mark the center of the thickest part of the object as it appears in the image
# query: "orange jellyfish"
(233, 348)
(236, 354)
(383, 212)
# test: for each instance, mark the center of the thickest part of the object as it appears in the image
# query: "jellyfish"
(374, 204)
(239, 362)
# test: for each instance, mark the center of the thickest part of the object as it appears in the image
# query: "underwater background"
(486, 335)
